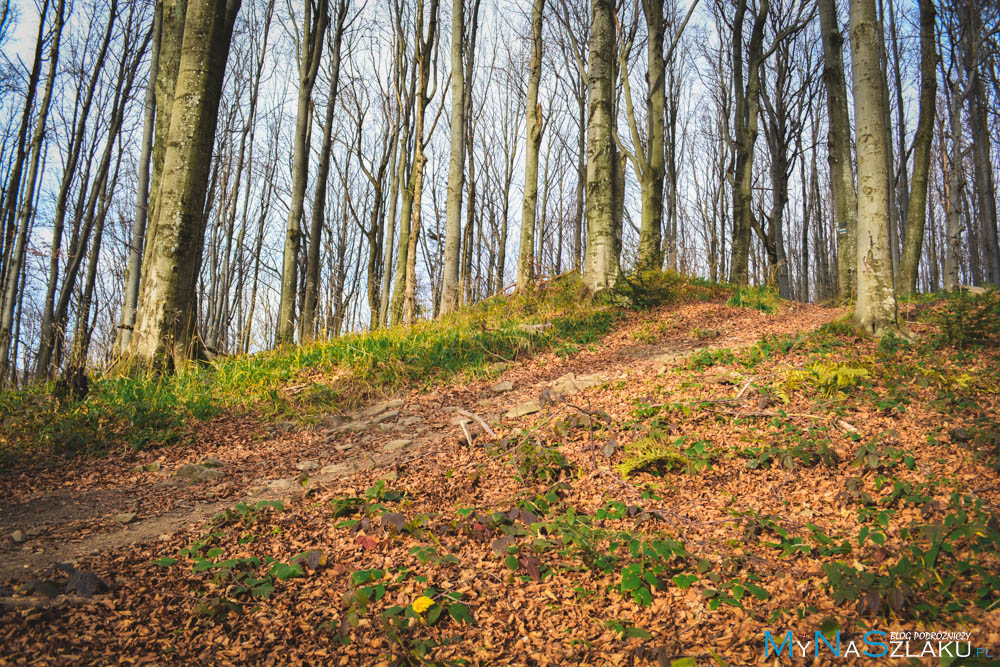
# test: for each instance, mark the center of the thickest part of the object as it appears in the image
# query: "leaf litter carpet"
(439, 527)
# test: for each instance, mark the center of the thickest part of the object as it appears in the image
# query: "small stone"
(305, 466)
(331, 420)
(193, 472)
(396, 445)
(280, 484)
(572, 384)
(125, 517)
(334, 469)
(501, 387)
(211, 462)
(353, 427)
(458, 421)
(17, 536)
(410, 421)
(379, 408)
(387, 415)
(387, 428)
(48, 589)
(85, 584)
(529, 408)
(345, 447)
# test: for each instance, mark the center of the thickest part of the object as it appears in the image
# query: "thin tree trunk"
(26, 213)
(845, 198)
(456, 165)
(315, 19)
(533, 128)
(134, 268)
(916, 213)
(308, 321)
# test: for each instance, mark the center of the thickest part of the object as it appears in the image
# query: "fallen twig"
(479, 420)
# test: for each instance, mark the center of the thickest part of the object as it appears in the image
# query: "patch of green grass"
(648, 289)
(142, 412)
(761, 298)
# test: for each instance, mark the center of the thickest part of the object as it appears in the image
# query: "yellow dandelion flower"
(422, 604)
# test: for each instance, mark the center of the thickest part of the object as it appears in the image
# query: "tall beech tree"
(165, 335)
(875, 310)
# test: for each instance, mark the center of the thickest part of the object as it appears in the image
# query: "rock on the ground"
(572, 384)
(396, 445)
(85, 584)
(125, 517)
(148, 467)
(529, 408)
(305, 466)
(280, 484)
(17, 536)
(211, 462)
(410, 421)
(352, 427)
(379, 408)
(501, 387)
(334, 469)
(193, 472)
(387, 415)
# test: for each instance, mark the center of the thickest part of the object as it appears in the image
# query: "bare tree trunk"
(981, 154)
(424, 57)
(916, 213)
(456, 166)
(50, 327)
(134, 268)
(845, 198)
(875, 311)
(747, 108)
(601, 269)
(533, 128)
(953, 190)
(165, 335)
(13, 266)
(315, 19)
(307, 324)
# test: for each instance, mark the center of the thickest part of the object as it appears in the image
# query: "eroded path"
(64, 513)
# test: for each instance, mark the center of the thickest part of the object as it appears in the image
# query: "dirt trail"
(68, 512)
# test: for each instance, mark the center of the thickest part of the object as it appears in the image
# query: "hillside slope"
(666, 492)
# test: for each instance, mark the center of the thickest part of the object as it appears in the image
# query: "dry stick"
(479, 420)
(468, 436)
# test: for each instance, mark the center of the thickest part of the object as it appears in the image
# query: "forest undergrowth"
(815, 481)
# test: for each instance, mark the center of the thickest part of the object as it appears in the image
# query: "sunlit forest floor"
(534, 481)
